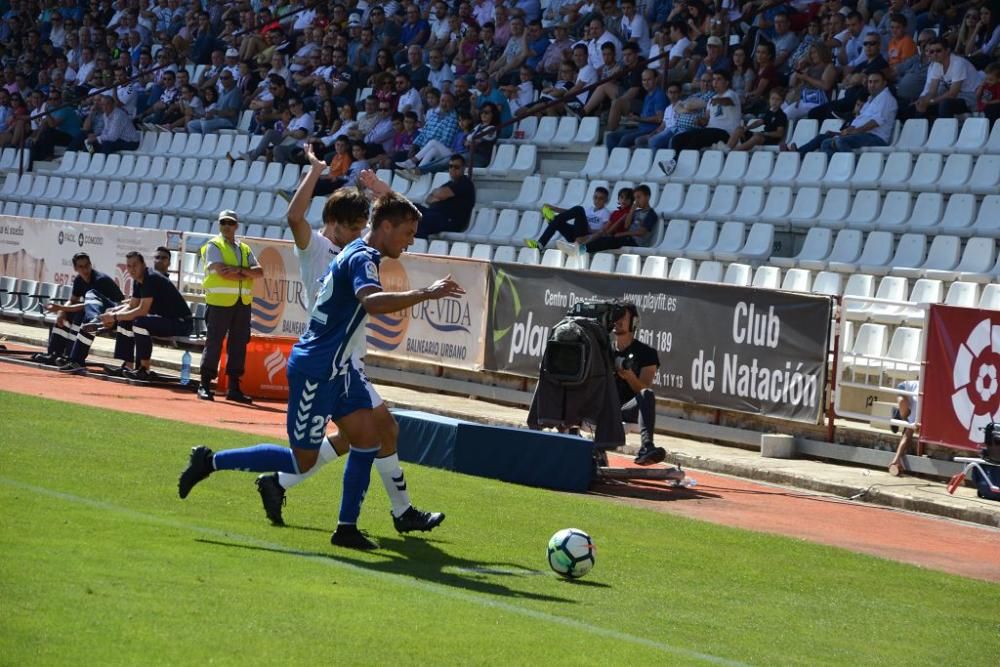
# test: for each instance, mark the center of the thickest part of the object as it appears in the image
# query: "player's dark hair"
(78, 256)
(346, 206)
(135, 254)
(394, 209)
(628, 193)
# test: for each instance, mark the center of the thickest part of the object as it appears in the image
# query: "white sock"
(326, 454)
(394, 483)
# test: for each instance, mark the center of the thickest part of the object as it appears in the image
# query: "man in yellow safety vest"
(230, 269)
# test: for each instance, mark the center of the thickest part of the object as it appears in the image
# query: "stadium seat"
(955, 174)
(990, 298)
(638, 167)
(709, 167)
(696, 201)
(57, 213)
(926, 173)
(942, 136)
(759, 244)
(618, 163)
(896, 210)
(687, 166)
(479, 230)
(530, 193)
(703, 238)
(80, 194)
(759, 170)
(926, 214)
(167, 222)
(185, 225)
(806, 210)
(910, 253)
(202, 226)
(859, 285)
(777, 206)
(628, 264)
(911, 138)
(482, 251)
(438, 247)
(526, 127)
(503, 159)
(730, 241)
(815, 248)
(988, 219)
(958, 216)
(846, 249)
(574, 194)
(546, 131)
(25, 209)
(507, 223)
(675, 239)
(565, 132)
(890, 289)
(709, 272)
(903, 355)
(895, 175)
(529, 256)
(738, 274)
(868, 349)
(993, 143)
(734, 169)
(529, 227)
(943, 255)
(593, 167)
(799, 280)
(656, 267)
(670, 201)
(975, 263)
(504, 253)
(553, 258)
(962, 294)
(804, 131)
(811, 170)
(724, 199)
(682, 268)
(40, 211)
(587, 133)
(867, 172)
(985, 177)
(749, 204)
(840, 170)
(10, 208)
(83, 215)
(864, 210)
(525, 162)
(924, 292)
(577, 262)
(766, 277)
(602, 262)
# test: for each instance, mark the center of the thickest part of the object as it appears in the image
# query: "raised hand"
(445, 287)
(376, 185)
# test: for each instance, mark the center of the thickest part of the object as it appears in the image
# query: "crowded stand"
(839, 147)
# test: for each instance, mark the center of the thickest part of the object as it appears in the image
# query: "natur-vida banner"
(736, 348)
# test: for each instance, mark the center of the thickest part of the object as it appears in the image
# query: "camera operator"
(635, 366)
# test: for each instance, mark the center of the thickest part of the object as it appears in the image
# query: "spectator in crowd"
(161, 260)
(60, 128)
(773, 124)
(573, 223)
(441, 126)
(872, 126)
(599, 36)
(409, 98)
(514, 54)
(649, 118)
(983, 41)
(715, 59)
(93, 293)
(224, 113)
(812, 83)
(897, 9)
(118, 133)
(855, 81)
(900, 46)
(637, 228)
(785, 42)
(449, 207)
(911, 74)
(951, 85)
(688, 114)
(298, 124)
(988, 95)
(155, 308)
(625, 94)
(905, 410)
(724, 116)
(414, 68)
(486, 92)
(230, 269)
(744, 76)
(676, 64)
(766, 77)
(556, 52)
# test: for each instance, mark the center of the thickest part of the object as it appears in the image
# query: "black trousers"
(434, 222)
(571, 223)
(48, 139)
(69, 337)
(134, 339)
(642, 410)
(226, 322)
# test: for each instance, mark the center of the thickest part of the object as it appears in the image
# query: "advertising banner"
(736, 348)
(450, 332)
(43, 249)
(961, 390)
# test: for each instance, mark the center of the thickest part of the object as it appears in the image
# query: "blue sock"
(259, 458)
(357, 474)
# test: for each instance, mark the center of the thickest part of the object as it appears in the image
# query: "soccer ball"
(571, 553)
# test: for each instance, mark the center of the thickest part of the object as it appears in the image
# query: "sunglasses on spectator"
(227, 223)
(871, 44)
(162, 257)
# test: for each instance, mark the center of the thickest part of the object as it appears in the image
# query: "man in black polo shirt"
(450, 206)
(155, 309)
(93, 293)
(636, 364)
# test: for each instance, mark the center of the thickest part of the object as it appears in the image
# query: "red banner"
(961, 377)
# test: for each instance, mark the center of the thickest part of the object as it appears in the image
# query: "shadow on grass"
(651, 491)
(422, 559)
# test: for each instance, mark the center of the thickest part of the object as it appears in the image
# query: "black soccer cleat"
(348, 536)
(273, 497)
(199, 467)
(414, 519)
(648, 455)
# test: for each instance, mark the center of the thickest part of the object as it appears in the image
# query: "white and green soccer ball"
(571, 553)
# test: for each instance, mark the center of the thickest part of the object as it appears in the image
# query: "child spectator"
(775, 124)
(988, 95)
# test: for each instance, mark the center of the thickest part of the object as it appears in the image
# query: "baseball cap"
(229, 215)
(354, 21)
(714, 41)
(232, 53)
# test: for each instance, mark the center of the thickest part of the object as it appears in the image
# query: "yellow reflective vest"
(220, 291)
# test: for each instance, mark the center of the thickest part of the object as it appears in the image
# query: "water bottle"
(186, 367)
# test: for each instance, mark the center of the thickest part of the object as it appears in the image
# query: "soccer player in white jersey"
(326, 380)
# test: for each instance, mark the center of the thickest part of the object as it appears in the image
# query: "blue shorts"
(313, 403)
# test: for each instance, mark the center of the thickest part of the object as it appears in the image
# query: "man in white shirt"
(409, 98)
(872, 126)
(675, 65)
(441, 76)
(598, 36)
(724, 115)
(634, 27)
(586, 75)
(857, 29)
(573, 222)
(951, 84)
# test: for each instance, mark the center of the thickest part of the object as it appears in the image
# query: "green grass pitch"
(102, 564)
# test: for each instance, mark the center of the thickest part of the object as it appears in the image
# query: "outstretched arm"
(377, 302)
(301, 231)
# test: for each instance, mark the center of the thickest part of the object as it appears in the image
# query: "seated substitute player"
(636, 364)
(324, 379)
(155, 309)
(93, 293)
(345, 216)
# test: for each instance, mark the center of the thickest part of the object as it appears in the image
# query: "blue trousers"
(70, 337)
(830, 143)
(134, 339)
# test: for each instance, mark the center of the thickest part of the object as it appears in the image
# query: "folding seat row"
(910, 257)
(214, 145)
(510, 161)
(873, 352)
(557, 133)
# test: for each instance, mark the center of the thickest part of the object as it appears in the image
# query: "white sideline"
(439, 589)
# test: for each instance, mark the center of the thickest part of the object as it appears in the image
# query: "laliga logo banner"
(961, 385)
(450, 332)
